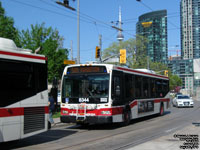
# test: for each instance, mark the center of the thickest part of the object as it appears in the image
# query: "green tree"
(158, 67)
(137, 58)
(7, 29)
(174, 81)
(134, 51)
(51, 45)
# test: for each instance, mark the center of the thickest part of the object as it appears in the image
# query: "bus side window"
(116, 86)
(165, 87)
(145, 86)
(152, 88)
(138, 86)
(129, 87)
(117, 90)
(159, 88)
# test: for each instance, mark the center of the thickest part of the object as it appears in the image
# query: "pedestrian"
(51, 108)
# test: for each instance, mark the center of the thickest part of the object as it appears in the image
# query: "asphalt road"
(109, 137)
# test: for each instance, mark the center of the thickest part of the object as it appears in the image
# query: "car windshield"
(183, 97)
(75, 86)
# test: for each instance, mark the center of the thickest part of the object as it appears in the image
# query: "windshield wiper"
(90, 93)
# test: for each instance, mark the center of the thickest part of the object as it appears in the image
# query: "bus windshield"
(89, 87)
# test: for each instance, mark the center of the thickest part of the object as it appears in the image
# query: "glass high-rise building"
(153, 26)
(190, 29)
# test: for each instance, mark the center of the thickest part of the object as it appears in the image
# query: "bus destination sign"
(87, 69)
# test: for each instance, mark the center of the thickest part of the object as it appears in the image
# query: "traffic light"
(166, 73)
(66, 2)
(97, 53)
(122, 56)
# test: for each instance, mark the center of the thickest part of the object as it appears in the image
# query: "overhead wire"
(85, 18)
(64, 9)
(82, 15)
(153, 10)
(51, 11)
(136, 19)
(94, 21)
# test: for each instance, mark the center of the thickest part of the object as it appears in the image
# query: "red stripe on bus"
(161, 100)
(114, 110)
(134, 103)
(117, 110)
(22, 55)
(96, 112)
(46, 109)
(145, 73)
(12, 112)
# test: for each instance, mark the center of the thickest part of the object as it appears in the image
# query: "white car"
(183, 101)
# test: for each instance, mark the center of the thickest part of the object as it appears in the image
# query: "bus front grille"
(34, 119)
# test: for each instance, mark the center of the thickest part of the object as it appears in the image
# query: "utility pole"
(120, 36)
(78, 32)
(66, 4)
(100, 45)
(71, 50)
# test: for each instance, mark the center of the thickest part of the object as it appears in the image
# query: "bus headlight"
(65, 112)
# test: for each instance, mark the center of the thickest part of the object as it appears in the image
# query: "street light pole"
(66, 4)
(78, 32)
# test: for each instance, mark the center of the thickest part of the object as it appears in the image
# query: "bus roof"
(8, 50)
(143, 72)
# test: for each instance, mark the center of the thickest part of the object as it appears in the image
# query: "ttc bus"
(23, 92)
(105, 93)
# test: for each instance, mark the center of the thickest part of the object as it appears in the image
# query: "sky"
(95, 19)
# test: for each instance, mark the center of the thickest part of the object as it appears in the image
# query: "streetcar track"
(184, 115)
(156, 135)
(136, 128)
(128, 131)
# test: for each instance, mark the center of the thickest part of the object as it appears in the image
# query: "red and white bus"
(23, 92)
(105, 93)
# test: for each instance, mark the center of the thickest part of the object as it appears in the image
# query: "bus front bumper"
(88, 119)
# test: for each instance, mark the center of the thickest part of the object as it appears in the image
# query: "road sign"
(166, 73)
(69, 62)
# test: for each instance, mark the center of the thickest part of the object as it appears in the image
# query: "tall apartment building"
(190, 29)
(156, 33)
(189, 72)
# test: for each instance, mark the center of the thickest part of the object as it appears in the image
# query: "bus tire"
(126, 117)
(161, 109)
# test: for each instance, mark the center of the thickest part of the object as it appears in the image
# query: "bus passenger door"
(117, 90)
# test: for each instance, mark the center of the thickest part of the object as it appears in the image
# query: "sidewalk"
(187, 138)
(56, 120)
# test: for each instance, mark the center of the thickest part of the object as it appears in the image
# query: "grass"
(56, 114)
